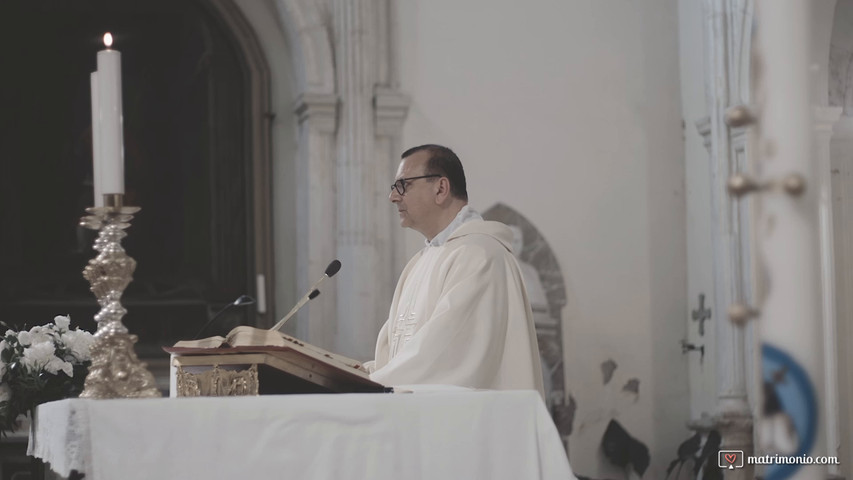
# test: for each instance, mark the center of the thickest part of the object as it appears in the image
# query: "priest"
(460, 313)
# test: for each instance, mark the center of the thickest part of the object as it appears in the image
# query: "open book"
(245, 339)
(285, 364)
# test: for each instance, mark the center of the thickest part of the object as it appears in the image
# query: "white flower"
(62, 322)
(54, 365)
(38, 356)
(24, 338)
(39, 335)
(78, 343)
(10, 332)
(5, 392)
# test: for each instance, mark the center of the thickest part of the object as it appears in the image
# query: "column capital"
(317, 109)
(703, 126)
(825, 118)
(390, 109)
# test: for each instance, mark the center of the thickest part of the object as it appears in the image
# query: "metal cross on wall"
(701, 314)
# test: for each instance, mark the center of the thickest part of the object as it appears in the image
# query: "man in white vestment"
(460, 313)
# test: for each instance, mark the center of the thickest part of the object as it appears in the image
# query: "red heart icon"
(731, 457)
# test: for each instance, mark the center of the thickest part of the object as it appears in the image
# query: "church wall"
(570, 113)
(700, 268)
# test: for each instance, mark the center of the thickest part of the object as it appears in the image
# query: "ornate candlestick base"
(116, 371)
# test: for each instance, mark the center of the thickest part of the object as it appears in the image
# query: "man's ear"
(442, 191)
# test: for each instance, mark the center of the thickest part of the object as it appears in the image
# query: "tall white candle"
(111, 120)
(96, 142)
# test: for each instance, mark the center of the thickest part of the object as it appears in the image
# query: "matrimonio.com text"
(790, 460)
(731, 459)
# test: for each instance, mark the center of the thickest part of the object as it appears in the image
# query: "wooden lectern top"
(283, 363)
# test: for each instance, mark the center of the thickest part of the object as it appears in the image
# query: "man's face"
(417, 207)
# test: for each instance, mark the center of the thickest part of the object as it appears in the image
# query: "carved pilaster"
(391, 107)
(362, 296)
(842, 192)
(726, 84)
(315, 207)
(825, 119)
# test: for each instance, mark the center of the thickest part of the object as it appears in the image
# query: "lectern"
(292, 367)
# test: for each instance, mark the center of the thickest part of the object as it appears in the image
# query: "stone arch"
(296, 31)
(306, 25)
(536, 253)
(290, 42)
(258, 74)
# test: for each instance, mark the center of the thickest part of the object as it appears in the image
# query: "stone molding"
(391, 108)
(317, 110)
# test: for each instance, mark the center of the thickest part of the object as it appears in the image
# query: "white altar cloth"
(441, 435)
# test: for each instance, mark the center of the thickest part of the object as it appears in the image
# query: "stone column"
(315, 206)
(786, 223)
(391, 108)
(825, 119)
(842, 208)
(732, 417)
(357, 171)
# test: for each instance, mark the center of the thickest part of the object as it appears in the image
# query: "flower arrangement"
(43, 364)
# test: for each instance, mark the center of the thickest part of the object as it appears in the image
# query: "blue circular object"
(798, 400)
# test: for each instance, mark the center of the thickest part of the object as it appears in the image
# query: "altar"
(436, 434)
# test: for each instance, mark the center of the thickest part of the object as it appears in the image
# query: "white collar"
(466, 214)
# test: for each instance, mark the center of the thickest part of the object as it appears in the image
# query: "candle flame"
(108, 39)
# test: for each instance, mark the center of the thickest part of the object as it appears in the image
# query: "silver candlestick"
(116, 371)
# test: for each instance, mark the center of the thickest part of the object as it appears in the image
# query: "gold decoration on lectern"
(116, 371)
(217, 382)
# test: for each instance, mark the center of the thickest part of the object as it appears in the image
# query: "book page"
(209, 342)
(245, 336)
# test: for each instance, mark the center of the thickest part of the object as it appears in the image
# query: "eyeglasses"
(400, 185)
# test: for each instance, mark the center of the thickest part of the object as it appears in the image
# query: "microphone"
(241, 300)
(331, 270)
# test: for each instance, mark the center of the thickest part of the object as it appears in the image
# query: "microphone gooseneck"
(331, 270)
(239, 302)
